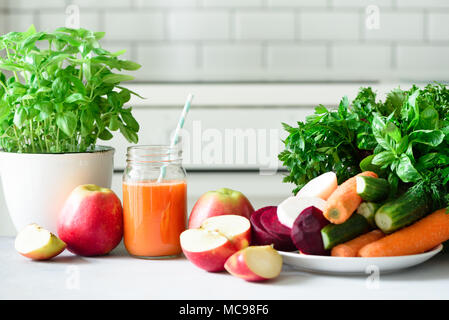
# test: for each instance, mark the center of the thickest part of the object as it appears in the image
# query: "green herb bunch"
(59, 92)
(404, 139)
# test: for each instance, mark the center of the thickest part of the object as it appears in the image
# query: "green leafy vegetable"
(60, 92)
(404, 139)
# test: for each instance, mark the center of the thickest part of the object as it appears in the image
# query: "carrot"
(352, 247)
(421, 236)
(344, 200)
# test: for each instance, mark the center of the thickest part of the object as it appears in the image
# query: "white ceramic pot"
(35, 186)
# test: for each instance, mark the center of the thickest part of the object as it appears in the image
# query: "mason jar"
(154, 201)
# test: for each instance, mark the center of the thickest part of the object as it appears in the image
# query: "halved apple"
(36, 243)
(236, 229)
(209, 246)
(255, 263)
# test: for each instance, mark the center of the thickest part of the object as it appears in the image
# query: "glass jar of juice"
(154, 201)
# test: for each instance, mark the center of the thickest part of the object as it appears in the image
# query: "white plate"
(341, 265)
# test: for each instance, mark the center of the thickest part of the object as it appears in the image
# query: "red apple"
(37, 243)
(221, 202)
(255, 263)
(236, 229)
(209, 246)
(91, 221)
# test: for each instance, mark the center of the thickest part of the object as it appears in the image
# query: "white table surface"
(119, 276)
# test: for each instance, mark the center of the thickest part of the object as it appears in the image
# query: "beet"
(259, 235)
(269, 220)
(262, 236)
(306, 232)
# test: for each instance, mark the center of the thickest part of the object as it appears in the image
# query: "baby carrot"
(421, 236)
(352, 247)
(344, 200)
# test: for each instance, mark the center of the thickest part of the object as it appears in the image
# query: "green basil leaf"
(114, 123)
(379, 126)
(20, 117)
(116, 78)
(60, 87)
(402, 145)
(99, 35)
(79, 85)
(129, 65)
(320, 109)
(125, 96)
(4, 110)
(130, 120)
(114, 100)
(393, 131)
(429, 137)
(74, 97)
(383, 158)
(105, 135)
(87, 123)
(86, 71)
(429, 119)
(67, 123)
(129, 135)
(406, 171)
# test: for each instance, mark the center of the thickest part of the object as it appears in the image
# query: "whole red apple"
(91, 221)
(220, 202)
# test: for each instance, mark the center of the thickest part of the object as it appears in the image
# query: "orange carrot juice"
(154, 217)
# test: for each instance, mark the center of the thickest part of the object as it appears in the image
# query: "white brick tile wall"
(20, 22)
(3, 22)
(204, 25)
(231, 3)
(398, 26)
(265, 25)
(259, 40)
(423, 57)
(165, 3)
(166, 58)
(297, 3)
(329, 26)
(130, 25)
(422, 4)
(361, 56)
(101, 3)
(54, 20)
(34, 4)
(439, 26)
(237, 57)
(361, 3)
(296, 57)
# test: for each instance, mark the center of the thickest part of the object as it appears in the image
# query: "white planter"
(35, 186)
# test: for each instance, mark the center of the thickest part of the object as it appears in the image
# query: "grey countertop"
(119, 276)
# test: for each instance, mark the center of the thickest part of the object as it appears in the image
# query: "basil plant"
(60, 92)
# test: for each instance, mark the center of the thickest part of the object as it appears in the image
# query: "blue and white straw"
(175, 138)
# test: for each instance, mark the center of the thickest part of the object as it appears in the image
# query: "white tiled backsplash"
(260, 40)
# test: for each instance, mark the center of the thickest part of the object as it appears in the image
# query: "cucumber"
(372, 189)
(368, 210)
(367, 165)
(402, 211)
(334, 234)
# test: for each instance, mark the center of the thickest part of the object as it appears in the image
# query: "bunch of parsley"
(406, 140)
(59, 92)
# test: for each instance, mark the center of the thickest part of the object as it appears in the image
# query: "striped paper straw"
(175, 138)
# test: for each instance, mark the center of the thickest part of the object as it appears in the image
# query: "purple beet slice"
(269, 220)
(306, 232)
(261, 236)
